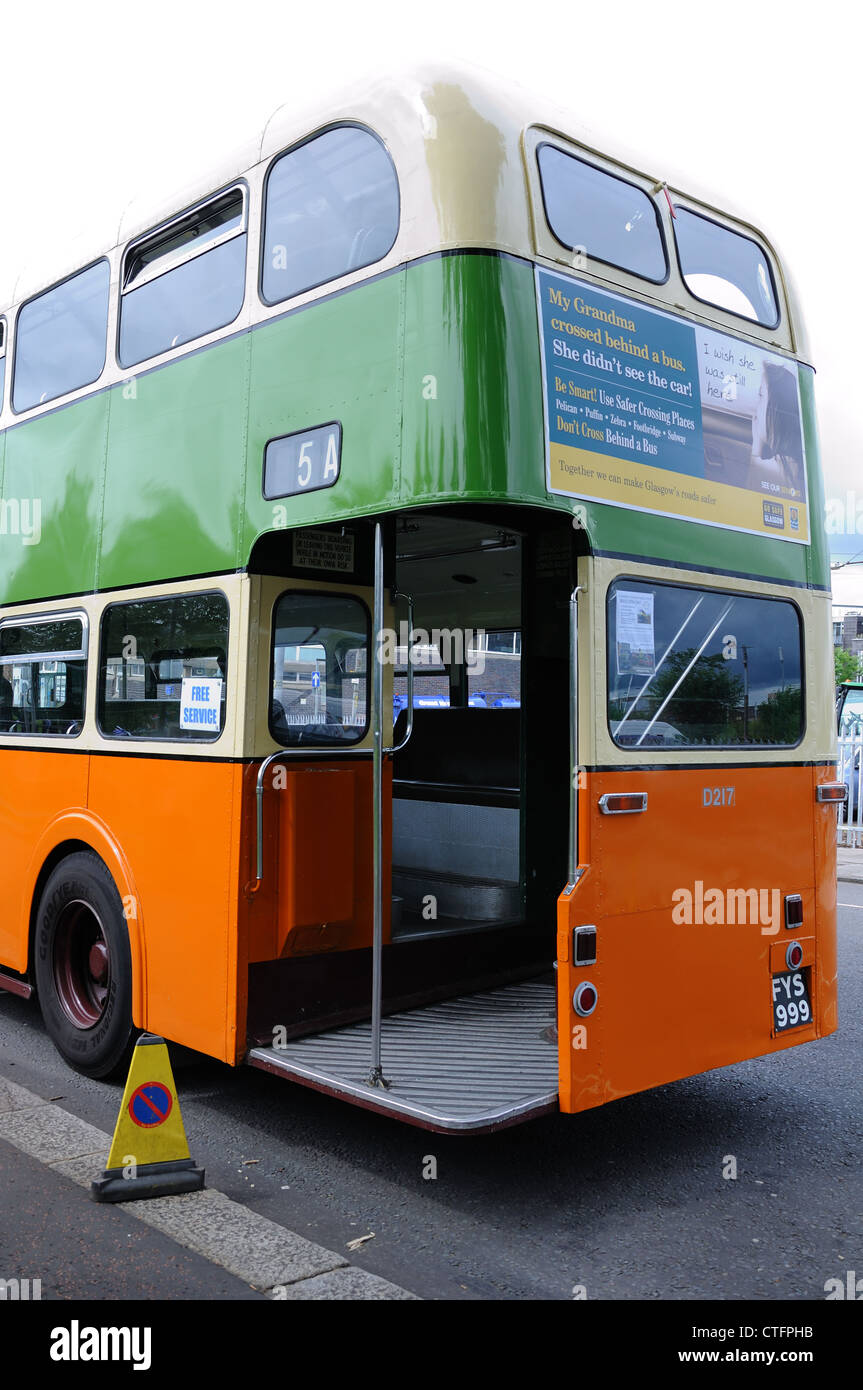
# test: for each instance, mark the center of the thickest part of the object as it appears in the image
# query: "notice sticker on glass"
(201, 705)
(635, 650)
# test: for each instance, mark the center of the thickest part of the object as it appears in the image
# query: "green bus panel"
(433, 372)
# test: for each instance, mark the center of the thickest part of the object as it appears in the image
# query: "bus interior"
(479, 847)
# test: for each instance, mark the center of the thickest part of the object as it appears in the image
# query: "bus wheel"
(83, 967)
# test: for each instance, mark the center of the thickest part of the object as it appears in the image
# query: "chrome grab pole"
(573, 734)
(376, 1075)
(284, 755)
(409, 727)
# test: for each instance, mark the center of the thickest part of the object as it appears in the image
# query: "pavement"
(104, 1253)
(849, 865)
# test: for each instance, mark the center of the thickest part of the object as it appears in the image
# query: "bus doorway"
(478, 789)
(480, 802)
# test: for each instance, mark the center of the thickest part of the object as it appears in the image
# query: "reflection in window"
(332, 206)
(164, 667)
(610, 219)
(184, 282)
(43, 677)
(690, 667)
(724, 268)
(320, 669)
(61, 338)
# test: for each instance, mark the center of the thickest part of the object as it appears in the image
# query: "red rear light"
(584, 1000)
(794, 955)
(622, 803)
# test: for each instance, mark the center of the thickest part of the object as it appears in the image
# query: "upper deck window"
(2, 359)
(61, 339)
(332, 206)
(724, 268)
(610, 219)
(185, 280)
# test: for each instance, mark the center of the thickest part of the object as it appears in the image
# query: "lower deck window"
(702, 668)
(320, 669)
(43, 676)
(163, 668)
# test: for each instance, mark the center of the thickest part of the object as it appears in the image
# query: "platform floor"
(472, 1064)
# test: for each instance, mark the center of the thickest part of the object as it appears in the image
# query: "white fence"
(850, 767)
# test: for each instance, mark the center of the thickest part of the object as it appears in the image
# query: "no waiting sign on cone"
(149, 1153)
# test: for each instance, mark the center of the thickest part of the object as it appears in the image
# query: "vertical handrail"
(409, 727)
(376, 1075)
(573, 734)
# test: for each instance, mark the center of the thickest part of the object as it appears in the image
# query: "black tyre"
(83, 967)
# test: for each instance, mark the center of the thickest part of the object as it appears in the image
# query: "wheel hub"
(82, 965)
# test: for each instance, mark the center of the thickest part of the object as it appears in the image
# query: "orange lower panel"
(688, 901)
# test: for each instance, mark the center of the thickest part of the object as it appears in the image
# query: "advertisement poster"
(645, 410)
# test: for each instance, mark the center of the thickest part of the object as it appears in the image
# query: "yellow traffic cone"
(149, 1154)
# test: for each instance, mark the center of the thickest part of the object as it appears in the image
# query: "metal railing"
(849, 764)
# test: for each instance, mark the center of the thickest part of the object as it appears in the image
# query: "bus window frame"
(4, 340)
(341, 744)
(102, 668)
(265, 191)
(49, 289)
(162, 228)
(78, 654)
(612, 174)
(719, 748)
(680, 205)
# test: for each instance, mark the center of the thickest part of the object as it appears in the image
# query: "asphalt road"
(628, 1200)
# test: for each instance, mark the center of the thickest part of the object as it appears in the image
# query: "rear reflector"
(584, 1000)
(793, 910)
(622, 803)
(831, 791)
(794, 955)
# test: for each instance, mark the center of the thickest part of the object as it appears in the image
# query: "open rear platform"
(472, 1064)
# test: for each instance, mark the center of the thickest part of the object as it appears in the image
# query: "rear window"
(607, 217)
(702, 668)
(724, 268)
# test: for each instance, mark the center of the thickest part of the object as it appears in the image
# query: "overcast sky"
(761, 101)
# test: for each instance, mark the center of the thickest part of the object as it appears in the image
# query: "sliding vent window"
(43, 676)
(725, 269)
(602, 215)
(61, 339)
(184, 281)
(332, 206)
(164, 667)
(695, 668)
(320, 687)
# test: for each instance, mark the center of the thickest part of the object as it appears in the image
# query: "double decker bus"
(415, 613)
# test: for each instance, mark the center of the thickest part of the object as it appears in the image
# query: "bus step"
(469, 1065)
